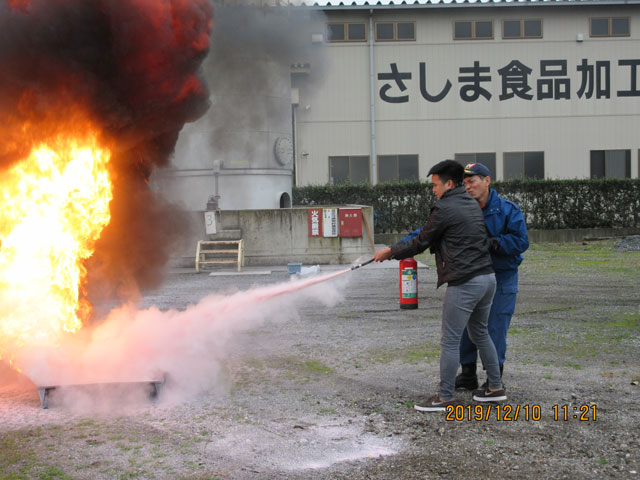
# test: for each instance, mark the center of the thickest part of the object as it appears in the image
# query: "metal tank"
(239, 156)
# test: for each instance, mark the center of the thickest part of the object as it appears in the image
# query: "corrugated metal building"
(543, 89)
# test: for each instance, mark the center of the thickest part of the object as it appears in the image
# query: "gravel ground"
(324, 389)
(628, 244)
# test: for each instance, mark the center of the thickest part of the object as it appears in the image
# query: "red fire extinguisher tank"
(408, 284)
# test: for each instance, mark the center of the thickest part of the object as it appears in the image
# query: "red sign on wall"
(314, 221)
(350, 222)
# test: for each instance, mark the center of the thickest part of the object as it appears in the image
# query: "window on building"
(610, 163)
(385, 31)
(348, 169)
(395, 31)
(398, 168)
(406, 30)
(609, 27)
(523, 165)
(522, 28)
(356, 32)
(336, 32)
(487, 159)
(346, 32)
(473, 29)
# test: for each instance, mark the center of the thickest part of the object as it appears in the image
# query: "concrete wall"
(276, 237)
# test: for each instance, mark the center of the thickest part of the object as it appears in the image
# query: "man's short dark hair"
(448, 170)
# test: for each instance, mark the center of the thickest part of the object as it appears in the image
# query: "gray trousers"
(467, 305)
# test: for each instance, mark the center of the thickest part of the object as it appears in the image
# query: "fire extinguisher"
(408, 284)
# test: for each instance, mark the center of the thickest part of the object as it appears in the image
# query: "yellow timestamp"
(500, 413)
(582, 413)
(514, 413)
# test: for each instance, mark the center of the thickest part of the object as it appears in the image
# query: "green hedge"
(547, 204)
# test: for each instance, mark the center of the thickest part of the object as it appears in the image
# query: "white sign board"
(330, 222)
(210, 222)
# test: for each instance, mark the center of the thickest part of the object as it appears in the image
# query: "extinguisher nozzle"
(362, 264)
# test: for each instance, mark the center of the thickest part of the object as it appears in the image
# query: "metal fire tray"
(153, 388)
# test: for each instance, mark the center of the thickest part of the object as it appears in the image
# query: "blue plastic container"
(294, 268)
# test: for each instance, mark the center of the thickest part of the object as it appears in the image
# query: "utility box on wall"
(314, 222)
(350, 222)
(330, 222)
(210, 222)
(322, 222)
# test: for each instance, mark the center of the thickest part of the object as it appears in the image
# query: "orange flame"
(55, 204)
(22, 5)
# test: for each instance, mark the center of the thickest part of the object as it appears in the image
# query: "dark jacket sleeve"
(515, 239)
(429, 235)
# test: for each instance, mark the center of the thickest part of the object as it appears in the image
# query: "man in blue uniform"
(508, 240)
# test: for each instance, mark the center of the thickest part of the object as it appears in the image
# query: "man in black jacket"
(456, 234)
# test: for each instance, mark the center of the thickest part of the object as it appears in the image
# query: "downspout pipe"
(294, 141)
(372, 99)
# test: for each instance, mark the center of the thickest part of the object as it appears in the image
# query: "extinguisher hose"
(362, 264)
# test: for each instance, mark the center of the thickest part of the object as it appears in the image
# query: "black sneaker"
(482, 388)
(466, 382)
(433, 404)
(489, 396)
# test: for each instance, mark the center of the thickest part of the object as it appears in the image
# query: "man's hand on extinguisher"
(382, 255)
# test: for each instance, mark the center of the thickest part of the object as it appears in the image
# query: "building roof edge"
(402, 4)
